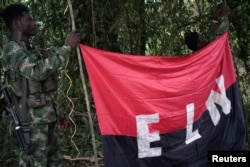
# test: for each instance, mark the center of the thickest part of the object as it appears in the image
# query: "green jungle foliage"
(141, 27)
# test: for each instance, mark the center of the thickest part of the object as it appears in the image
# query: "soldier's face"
(27, 25)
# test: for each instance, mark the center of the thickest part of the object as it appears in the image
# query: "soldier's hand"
(72, 39)
(63, 124)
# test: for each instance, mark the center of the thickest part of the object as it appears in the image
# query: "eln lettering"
(144, 137)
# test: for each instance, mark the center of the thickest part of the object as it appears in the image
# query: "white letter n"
(221, 99)
(144, 137)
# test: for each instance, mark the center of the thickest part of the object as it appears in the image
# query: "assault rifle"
(12, 112)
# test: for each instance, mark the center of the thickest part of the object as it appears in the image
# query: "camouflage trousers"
(44, 147)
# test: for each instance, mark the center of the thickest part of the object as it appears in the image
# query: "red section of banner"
(125, 86)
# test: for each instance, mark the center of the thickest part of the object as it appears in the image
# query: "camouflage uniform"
(219, 28)
(25, 65)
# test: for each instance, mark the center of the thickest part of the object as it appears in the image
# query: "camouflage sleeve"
(218, 29)
(28, 64)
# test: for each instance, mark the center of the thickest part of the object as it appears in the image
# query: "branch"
(90, 159)
(84, 86)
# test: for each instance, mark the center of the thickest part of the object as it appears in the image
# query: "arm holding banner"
(220, 24)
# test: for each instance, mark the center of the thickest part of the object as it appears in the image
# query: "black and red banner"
(157, 111)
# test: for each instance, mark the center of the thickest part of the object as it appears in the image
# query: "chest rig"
(33, 91)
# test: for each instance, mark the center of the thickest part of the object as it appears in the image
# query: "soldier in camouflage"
(31, 76)
(220, 25)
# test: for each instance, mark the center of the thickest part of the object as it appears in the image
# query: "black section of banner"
(229, 134)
